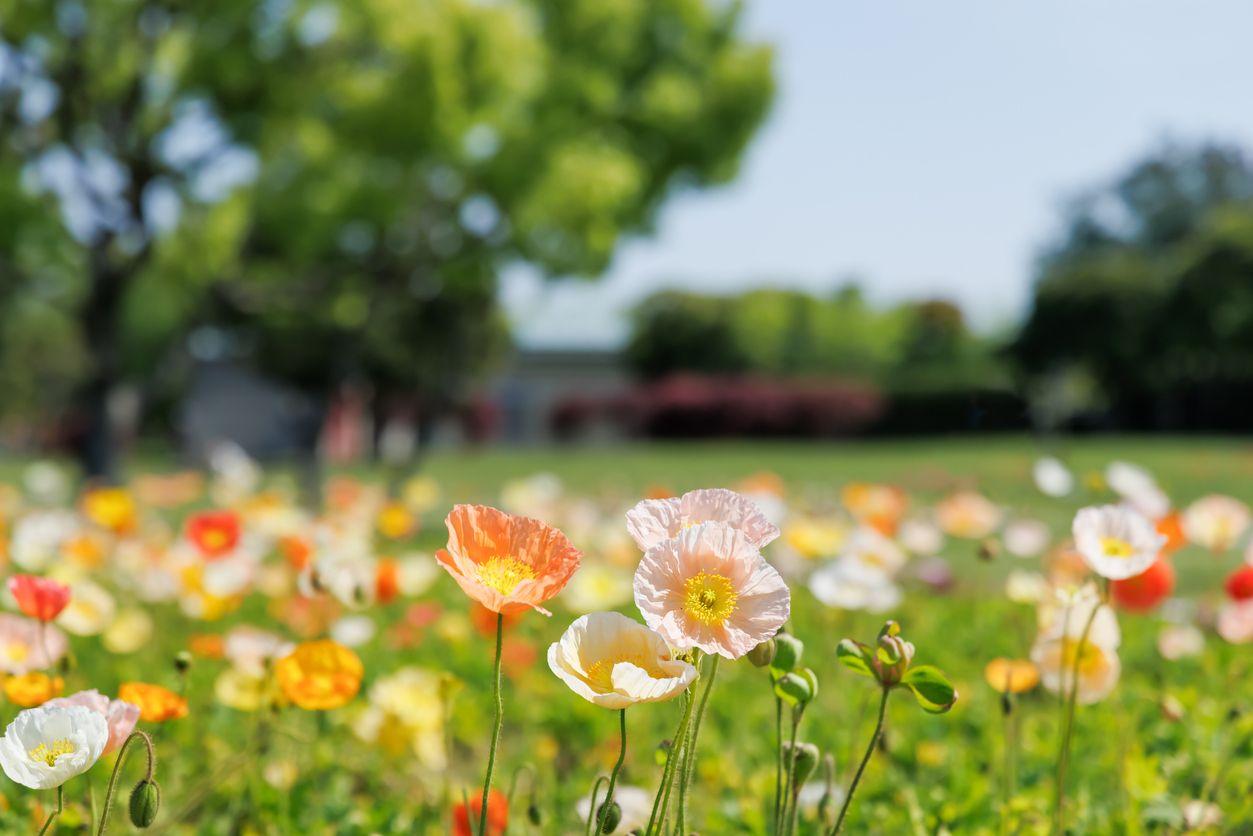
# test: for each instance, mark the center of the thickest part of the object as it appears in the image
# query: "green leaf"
(852, 655)
(931, 688)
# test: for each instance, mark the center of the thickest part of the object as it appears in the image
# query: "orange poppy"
(505, 562)
(156, 704)
(207, 646)
(1012, 675)
(38, 597)
(215, 533)
(497, 815)
(32, 689)
(386, 581)
(320, 675)
(1171, 527)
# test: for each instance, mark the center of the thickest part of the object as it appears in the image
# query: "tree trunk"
(100, 314)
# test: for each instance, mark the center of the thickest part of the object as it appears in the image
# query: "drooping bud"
(533, 814)
(182, 662)
(763, 654)
(804, 762)
(145, 802)
(610, 816)
(794, 688)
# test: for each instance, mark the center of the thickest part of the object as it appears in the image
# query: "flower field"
(921, 637)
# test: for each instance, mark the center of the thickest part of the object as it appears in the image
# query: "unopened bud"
(533, 814)
(787, 652)
(182, 661)
(610, 815)
(145, 802)
(804, 762)
(794, 688)
(763, 654)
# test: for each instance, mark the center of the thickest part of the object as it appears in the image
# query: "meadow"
(1165, 751)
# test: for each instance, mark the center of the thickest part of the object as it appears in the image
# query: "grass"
(1131, 767)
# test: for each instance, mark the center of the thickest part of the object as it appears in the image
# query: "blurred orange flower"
(497, 814)
(207, 646)
(319, 675)
(386, 581)
(296, 551)
(39, 598)
(1011, 675)
(111, 508)
(32, 689)
(214, 533)
(1171, 527)
(156, 704)
(505, 562)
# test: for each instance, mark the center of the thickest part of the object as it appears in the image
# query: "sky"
(926, 149)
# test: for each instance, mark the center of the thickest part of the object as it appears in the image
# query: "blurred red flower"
(39, 598)
(214, 533)
(497, 815)
(1147, 589)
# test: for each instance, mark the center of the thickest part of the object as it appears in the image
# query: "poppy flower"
(653, 521)
(615, 662)
(320, 675)
(497, 814)
(120, 715)
(214, 533)
(1116, 542)
(156, 704)
(967, 514)
(34, 688)
(1012, 676)
(45, 747)
(1146, 590)
(710, 588)
(386, 581)
(1239, 584)
(505, 562)
(39, 598)
(1215, 522)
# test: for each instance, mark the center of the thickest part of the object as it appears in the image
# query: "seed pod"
(804, 762)
(145, 801)
(794, 688)
(787, 652)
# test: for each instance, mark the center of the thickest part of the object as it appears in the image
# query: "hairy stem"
(874, 741)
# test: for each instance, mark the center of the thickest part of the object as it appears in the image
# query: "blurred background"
(357, 231)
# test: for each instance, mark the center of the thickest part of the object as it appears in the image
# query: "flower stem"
(1068, 725)
(790, 797)
(778, 760)
(56, 812)
(874, 741)
(496, 726)
(689, 756)
(591, 813)
(662, 800)
(117, 770)
(613, 776)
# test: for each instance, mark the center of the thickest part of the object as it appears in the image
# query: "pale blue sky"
(926, 147)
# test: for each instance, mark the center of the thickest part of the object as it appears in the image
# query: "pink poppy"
(653, 521)
(121, 716)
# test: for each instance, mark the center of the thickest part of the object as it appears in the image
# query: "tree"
(1146, 276)
(401, 155)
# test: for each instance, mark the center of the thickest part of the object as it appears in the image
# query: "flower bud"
(182, 661)
(533, 814)
(787, 652)
(794, 688)
(610, 816)
(763, 654)
(804, 761)
(145, 801)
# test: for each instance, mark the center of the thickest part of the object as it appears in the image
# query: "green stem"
(874, 741)
(591, 813)
(56, 812)
(689, 757)
(499, 721)
(661, 801)
(117, 770)
(1072, 700)
(613, 776)
(790, 796)
(778, 760)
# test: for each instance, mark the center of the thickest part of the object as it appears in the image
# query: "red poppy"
(215, 533)
(1240, 584)
(1147, 589)
(497, 815)
(39, 597)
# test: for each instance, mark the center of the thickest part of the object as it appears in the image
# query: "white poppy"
(1116, 542)
(850, 585)
(1137, 487)
(1026, 538)
(1052, 477)
(1215, 522)
(616, 662)
(1178, 641)
(921, 537)
(45, 747)
(871, 549)
(635, 804)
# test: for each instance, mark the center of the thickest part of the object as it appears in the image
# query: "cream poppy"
(1057, 656)
(616, 662)
(1215, 522)
(711, 589)
(968, 514)
(653, 521)
(1116, 542)
(46, 746)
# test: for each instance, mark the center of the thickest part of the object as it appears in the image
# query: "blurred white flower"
(1178, 641)
(636, 805)
(1235, 621)
(46, 483)
(1137, 487)
(90, 610)
(353, 630)
(38, 537)
(1052, 477)
(1116, 542)
(851, 585)
(922, 537)
(1026, 587)
(1026, 538)
(968, 514)
(1215, 522)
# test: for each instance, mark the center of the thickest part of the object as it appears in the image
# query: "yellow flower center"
(710, 599)
(49, 754)
(1090, 658)
(503, 574)
(1114, 547)
(599, 674)
(17, 652)
(214, 539)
